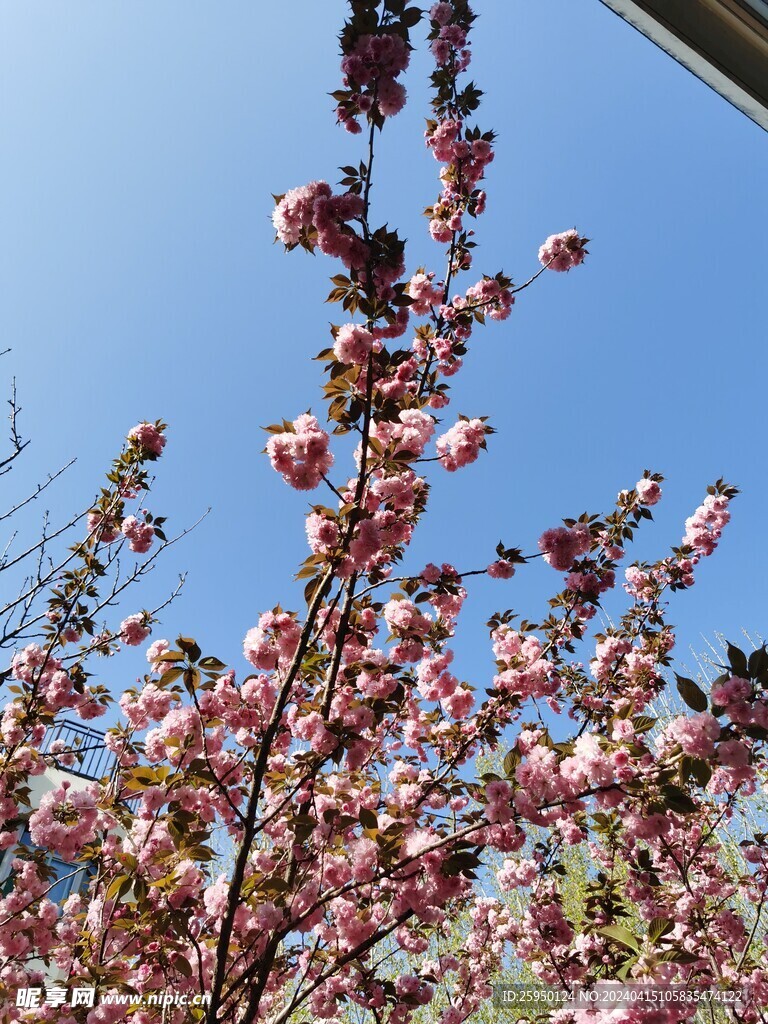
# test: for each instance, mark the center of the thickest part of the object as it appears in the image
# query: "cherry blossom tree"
(346, 768)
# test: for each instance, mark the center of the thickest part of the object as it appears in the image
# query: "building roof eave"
(723, 42)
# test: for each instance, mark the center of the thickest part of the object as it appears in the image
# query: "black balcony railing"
(92, 758)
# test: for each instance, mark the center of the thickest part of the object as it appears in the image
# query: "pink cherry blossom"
(564, 251)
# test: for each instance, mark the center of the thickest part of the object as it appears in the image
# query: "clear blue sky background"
(139, 145)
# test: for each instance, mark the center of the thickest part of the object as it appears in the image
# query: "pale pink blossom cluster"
(397, 491)
(65, 820)
(401, 379)
(525, 671)
(501, 569)
(353, 344)
(740, 703)
(695, 734)
(403, 618)
(563, 251)
(562, 545)
(139, 534)
(294, 211)
(640, 583)
(498, 807)
(40, 669)
(465, 152)
(63, 753)
(371, 68)
(467, 158)
(411, 432)
(311, 728)
(322, 533)
(148, 437)
(383, 530)
(591, 584)
(648, 491)
(704, 528)
(301, 455)
(29, 919)
(154, 652)
(409, 626)
(135, 629)
(103, 526)
(424, 293)
(150, 705)
(313, 216)
(461, 445)
(273, 641)
(490, 298)
(178, 737)
(449, 46)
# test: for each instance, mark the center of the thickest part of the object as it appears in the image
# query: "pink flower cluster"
(313, 216)
(154, 653)
(640, 584)
(704, 528)
(696, 734)
(409, 433)
(449, 44)
(461, 445)
(103, 526)
(409, 626)
(525, 671)
(322, 533)
(273, 641)
(353, 344)
(501, 569)
(301, 455)
(491, 299)
(466, 157)
(65, 820)
(139, 534)
(740, 704)
(370, 69)
(40, 669)
(151, 705)
(311, 728)
(591, 584)
(498, 807)
(147, 437)
(424, 294)
(563, 251)
(562, 545)
(465, 152)
(295, 210)
(648, 491)
(135, 629)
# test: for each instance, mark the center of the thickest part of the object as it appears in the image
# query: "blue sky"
(139, 145)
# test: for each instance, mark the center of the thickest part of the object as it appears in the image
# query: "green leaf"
(212, 664)
(659, 927)
(692, 694)
(758, 662)
(620, 934)
(738, 660)
(183, 966)
(190, 648)
(368, 818)
(118, 887)
(511, 761)
(678, 801)
(643, 723)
